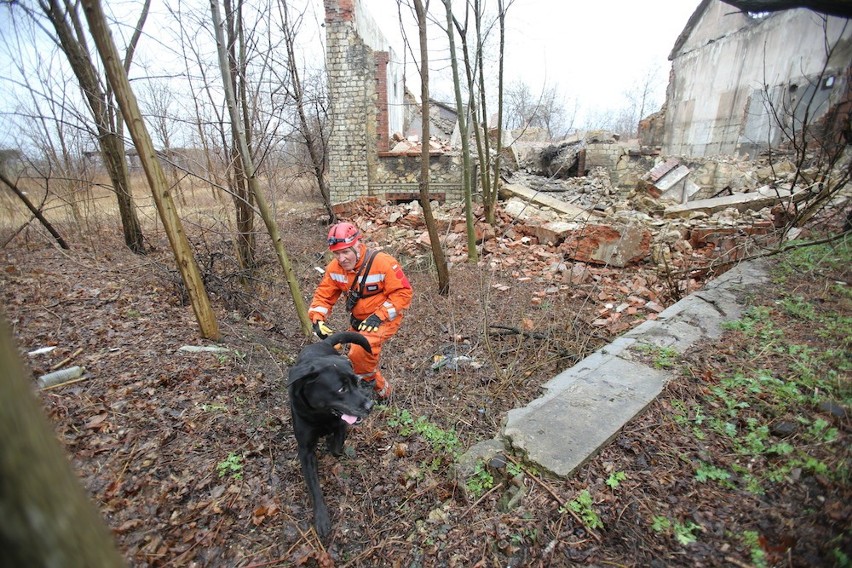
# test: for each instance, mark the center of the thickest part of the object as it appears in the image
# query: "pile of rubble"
(412, 146)
(561, 233)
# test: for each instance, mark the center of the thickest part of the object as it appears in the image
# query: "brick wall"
(399, 174)
(381, 75)
(351, 68)
(359, 161)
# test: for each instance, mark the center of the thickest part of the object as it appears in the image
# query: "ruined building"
(367, 92)
(731, 69)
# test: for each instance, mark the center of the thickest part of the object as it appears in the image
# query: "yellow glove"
(372, 323)
(321, 329)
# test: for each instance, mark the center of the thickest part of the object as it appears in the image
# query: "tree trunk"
(241, 192)
(110, 144)
(431, 226)
(464, 134)
(153, 171)
(34, 210)
(265, 211)
(481, 127)
(47, 519)
(489, 195)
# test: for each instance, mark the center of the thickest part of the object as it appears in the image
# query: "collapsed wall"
(352, 91)
(366, 89)
(739, 78)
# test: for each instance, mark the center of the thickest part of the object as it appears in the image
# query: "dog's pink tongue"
(349, 419)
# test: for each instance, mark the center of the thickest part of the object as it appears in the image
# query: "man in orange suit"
(377, 295)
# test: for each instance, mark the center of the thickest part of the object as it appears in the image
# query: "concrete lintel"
(572, 425)
(571, 212)
(740, 201)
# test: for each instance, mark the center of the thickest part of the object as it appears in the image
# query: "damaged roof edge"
(841, 9)
(687, 30)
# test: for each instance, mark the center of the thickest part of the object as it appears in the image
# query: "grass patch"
(777, 378)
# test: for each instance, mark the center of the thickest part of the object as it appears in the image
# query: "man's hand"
(321, 329)
(372, 323)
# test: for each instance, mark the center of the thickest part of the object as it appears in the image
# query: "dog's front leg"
(335, 440)
(310, 471)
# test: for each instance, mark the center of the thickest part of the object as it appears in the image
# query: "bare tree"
(545, 110)
(158, 99)
(310, 122)
(117, 77)
(464, 134)
(432, 228)
(490, 194)
(638, 99)
(36, 211)
(55, 130)
(248, 164)
(473, 50)
(235, 78)
(70, 37)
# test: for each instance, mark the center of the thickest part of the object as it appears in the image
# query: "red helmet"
(343, 235)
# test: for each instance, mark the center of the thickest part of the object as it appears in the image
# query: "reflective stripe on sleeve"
(391, 310)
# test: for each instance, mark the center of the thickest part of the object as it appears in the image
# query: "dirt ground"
(191, 460)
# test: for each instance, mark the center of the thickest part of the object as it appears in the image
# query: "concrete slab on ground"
(585, 406)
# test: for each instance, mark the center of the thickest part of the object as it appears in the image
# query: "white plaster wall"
(724, 64)
(372, 35)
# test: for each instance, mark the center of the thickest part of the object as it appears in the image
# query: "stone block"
(612, 245)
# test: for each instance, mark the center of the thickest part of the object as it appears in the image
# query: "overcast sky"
(592, 51)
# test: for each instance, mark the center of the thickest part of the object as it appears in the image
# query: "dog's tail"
(348, 337)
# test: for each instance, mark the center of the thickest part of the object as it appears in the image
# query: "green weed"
(663, 357)
(751, 540)
(445, 442)
(798, 307)
(480, 481)
(841, 559)
(706, 472)
(232, 465)
(615, 479)
(403, 421)
(583, 506)
(514, 469)
(684, 533)
(661, 524)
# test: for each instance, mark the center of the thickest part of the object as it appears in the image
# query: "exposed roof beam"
(840, 8)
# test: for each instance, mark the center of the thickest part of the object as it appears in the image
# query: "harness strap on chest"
(364, 273)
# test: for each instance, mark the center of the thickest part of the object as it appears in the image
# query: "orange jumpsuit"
(386, 293)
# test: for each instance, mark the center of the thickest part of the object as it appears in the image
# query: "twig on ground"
(66, 360)
(478, 501)
(553, 494)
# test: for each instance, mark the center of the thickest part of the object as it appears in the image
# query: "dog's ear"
(301, 371)
(313, 369)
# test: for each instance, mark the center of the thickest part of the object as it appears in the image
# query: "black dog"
(326, 396)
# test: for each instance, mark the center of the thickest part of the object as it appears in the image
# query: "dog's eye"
(341, 389)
